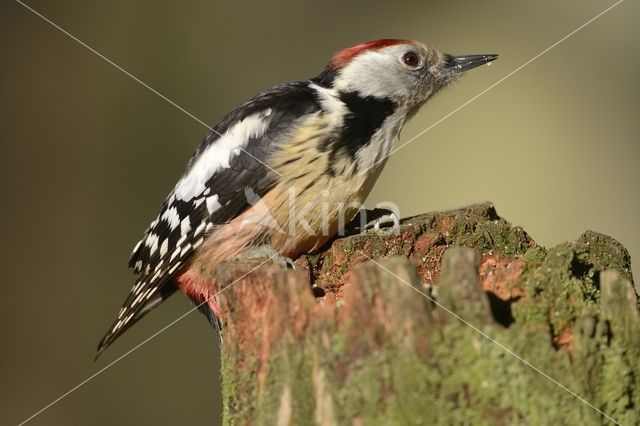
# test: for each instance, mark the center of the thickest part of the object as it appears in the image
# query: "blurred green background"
(88, 155)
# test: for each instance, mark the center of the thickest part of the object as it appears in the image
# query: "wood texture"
(459, 319)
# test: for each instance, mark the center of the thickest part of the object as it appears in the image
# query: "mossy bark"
(459, 319)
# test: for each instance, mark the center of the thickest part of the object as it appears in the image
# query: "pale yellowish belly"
(316, 194)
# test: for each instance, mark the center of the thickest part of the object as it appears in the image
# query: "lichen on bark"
(461, 318)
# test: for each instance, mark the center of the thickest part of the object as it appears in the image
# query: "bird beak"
(463, 63)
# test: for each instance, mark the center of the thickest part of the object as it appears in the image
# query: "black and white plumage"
(213, 190)
(333, 131)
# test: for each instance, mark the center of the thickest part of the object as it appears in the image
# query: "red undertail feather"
(344, 56)
(200, 290)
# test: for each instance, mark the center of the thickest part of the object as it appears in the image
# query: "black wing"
(205, 197)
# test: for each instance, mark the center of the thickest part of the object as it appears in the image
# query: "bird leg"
(265, 252)
(377, 220)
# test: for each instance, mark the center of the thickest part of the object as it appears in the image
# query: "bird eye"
(411, 59)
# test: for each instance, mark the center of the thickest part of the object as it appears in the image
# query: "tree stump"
(459, 319)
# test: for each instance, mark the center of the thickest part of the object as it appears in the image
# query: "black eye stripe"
(411, 59)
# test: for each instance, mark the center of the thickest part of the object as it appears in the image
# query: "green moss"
(291, 368)
(441, 371)
(239, 391)
(604, 252)
(494, 387)
(534, 256)
(565, 280)
(496, 235)
(315, 261)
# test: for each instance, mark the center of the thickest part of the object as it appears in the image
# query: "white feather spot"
(185, 225)
(213, 204)
(198, 242)
(199, 229)
(155, 276)
(154, 245)
(137, 300)
(159, 265)
(218, 155)
(209, 227)
(117, 326)
(164, 247)
(185, 249)
(173, 268)
(174, 254)
(150, 239)
(135, 249)
(172, 217)
(199, 201)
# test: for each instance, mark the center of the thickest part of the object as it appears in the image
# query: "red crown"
(345, 56)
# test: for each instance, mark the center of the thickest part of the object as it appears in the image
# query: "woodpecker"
(330, 134)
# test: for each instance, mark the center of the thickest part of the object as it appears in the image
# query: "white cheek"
(373, 74)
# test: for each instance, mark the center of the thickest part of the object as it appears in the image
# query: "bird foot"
(382, 221)
(265, 252)
(385, 224)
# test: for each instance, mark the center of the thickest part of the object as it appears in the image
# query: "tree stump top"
(432, 326)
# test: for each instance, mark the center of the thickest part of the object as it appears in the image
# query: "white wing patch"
(172, 217)
(199, 199)
(219, 154)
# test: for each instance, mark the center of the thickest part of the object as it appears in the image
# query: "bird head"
(404, 71)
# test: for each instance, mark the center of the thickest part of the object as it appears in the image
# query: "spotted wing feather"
(196, 205)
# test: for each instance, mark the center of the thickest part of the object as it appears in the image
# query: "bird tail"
(123, 322)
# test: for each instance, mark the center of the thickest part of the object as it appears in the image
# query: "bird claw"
(377, 220)
(266, 252)
(386, 223)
